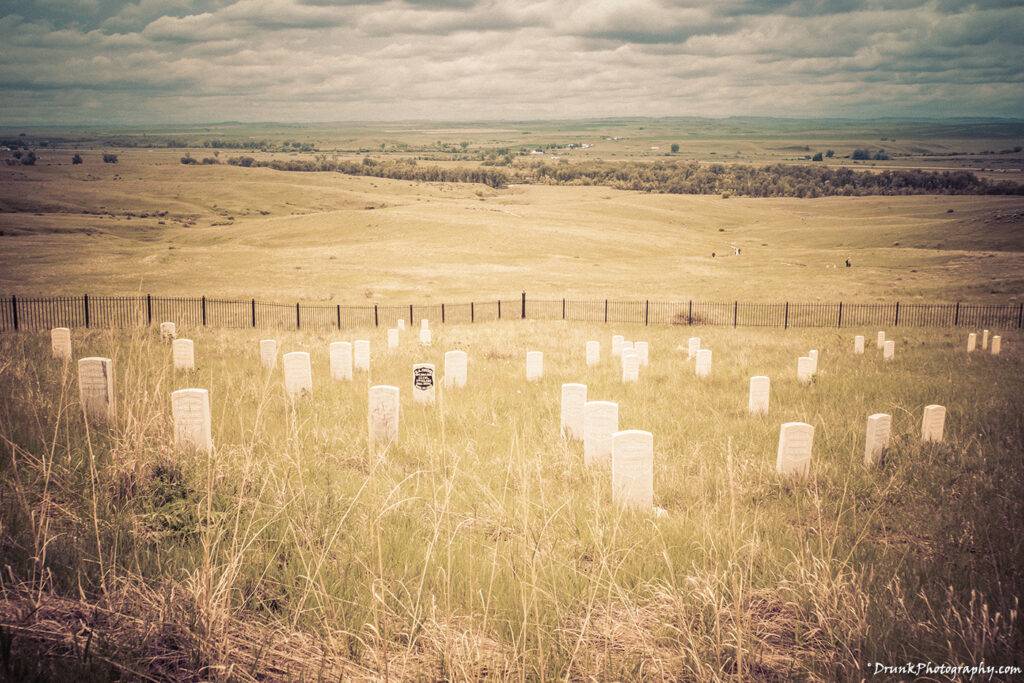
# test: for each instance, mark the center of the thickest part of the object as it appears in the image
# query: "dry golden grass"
(480, 546)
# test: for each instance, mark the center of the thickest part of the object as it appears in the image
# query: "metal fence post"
(204, 311)
(563, 309)
(149, 309)
(298, 317)
(606, 310)
(499, 309)
(337, 314)
(524, 306)
(647, 311)
(14, 311)
(735, 312)
(410, 314)
(472, 313)
(254, 312)
(689, 313)
(785, 322)
(1020, 315)
(442, 312)
(956, 315)
(85, 304)
(840, 322)
(897, 321)
(376, 318)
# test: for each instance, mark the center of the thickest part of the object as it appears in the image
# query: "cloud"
(193, 60)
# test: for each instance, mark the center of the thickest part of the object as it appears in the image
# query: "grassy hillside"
(481, 545)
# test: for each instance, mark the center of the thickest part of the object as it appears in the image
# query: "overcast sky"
(104, 61)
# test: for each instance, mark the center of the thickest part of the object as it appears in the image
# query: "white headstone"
(456, 369)
(268, 353)
(643, 351)
(760, 391)
(424, 324)
(168, 331)
(804, 369)
(692, 347)
(633, 469)
(984, 339)
(96, 387)
(627, 345)
(794, 454)
(361, 355)
(341, 361)
(703, 367)
(382, 414)
(184, 354)
(630, 366)
(392, 338)
(858, 344)
(424, 384)
(813, 355)
(889, 352)
(60, 343)
(617, 340)
(574, 397)
(298, 373)
(426, 336)
(600, 422)
(190, 410)
(933, 423)
(593, 353)
(534, 365)
(400, 324)
(876, 440)
(880, 339)
(997, 345)
(972, 342)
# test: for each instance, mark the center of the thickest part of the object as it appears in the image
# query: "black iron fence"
(41, 313)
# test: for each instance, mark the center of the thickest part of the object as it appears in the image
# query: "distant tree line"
(669, 177)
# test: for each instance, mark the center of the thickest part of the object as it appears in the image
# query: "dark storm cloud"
(161, 60)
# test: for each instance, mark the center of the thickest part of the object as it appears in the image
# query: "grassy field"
(150, 224)
(480, 545)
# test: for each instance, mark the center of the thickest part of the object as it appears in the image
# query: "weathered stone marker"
(593, 353)
(383, 414)
(643, 350)
(804, 369)
(703, 367)
(341, 361)
(426, 336)
(630, 366)
(760, 391)
(456, 369)
(627, 345)
(424, 385)
(858, 344)
(813, 355)
(617, 340)
(574, 398)
(633, 469)
(298, 374)
(183, 353)
(600, 422)
(876, 439)
(424, 324)
(692, 347)
(794, 454)
(268, 353)
(400, 324)
(168, 331)
(933, 423)
(997, 345)
(96, 388)
(880, 339)
(984, 339)
(534, 365)
(889, 351)
(392, 338)
(361, 355)
(60, 343)
(190, 411)
(972, 342)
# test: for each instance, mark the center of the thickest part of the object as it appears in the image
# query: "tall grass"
(479, 545)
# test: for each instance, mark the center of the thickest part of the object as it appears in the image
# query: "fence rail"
(41, 313)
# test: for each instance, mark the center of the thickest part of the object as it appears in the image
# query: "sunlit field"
(479, 544)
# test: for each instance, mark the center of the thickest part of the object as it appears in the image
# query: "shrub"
(210, 160)
(881, 155)
(77, 159)
(187, 159)
(830, 153)
(860, 154)
(816, 157)
(675, 148)
(29, 159)
(109, 158)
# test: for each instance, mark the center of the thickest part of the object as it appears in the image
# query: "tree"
(675, 148)
(77, 159)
